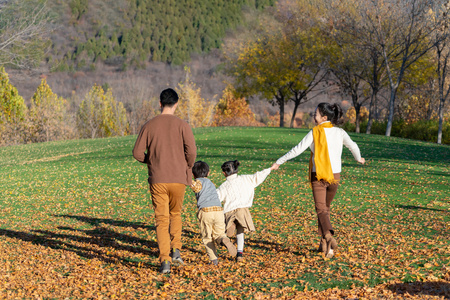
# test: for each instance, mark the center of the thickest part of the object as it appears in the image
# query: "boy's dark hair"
(168, 97)
(332, 111)
(200, 169)
(230, 167)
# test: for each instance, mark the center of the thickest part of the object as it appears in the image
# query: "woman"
(326, 143)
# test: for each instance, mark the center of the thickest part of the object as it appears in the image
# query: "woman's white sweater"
(336, 138)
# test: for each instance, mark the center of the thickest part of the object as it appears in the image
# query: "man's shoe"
(176, 256)
(165, 267)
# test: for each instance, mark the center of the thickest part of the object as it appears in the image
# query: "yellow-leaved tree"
(192, 108)
(100, 115)
(12, 112)
(47, 116)
(233, 111)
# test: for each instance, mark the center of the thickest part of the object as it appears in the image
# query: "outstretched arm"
(353, 147)
(275, 166)
(295, 151)
(196, 186)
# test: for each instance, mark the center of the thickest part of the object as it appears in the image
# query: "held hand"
(362, 161)
(274, 167)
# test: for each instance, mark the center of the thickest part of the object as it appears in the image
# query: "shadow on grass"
(91, 245)
(265, 245)
(418, 207)
(97, 221)
(100, 242)
(436, 288)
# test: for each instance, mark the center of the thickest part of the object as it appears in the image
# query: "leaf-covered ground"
(77, 222)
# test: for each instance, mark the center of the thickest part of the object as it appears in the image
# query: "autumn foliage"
(12, 111)
(100, 115)
(47, 117)
(233, 111)
(192, 108)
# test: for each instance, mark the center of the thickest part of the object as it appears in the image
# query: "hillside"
(83, 43)
(128, 33)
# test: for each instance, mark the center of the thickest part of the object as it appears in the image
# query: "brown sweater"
(166, 144)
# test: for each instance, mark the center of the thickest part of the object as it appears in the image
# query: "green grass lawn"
(77, 221)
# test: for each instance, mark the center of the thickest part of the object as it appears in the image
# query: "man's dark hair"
(168, 97)
(200, 169)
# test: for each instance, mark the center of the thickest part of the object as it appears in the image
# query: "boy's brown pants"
(323, 194)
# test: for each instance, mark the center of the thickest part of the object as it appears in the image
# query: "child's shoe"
(331, 245)
(230, 247)
(215, 262)
(176, 256)
(239, 256)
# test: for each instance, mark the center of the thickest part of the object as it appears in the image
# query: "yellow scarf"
(321, 155)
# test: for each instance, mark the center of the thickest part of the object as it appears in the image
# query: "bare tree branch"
(24, 32)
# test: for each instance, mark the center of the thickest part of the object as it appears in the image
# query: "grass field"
(77, 222)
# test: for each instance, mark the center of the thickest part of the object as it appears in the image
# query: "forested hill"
(132, 32)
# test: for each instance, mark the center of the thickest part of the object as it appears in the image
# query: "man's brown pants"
(167, 201)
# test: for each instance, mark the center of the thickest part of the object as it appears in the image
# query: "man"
(166, 144)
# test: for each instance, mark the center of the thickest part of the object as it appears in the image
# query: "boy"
(210, 213)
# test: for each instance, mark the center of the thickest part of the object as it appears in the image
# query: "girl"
(326, 143)
(237, 194)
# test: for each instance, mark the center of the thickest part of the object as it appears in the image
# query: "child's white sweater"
(238, 190)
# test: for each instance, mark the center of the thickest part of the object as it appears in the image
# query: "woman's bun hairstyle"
(332, 111)
(230, 167)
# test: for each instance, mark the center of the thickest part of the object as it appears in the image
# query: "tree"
(442, 51)
(348, 71)
(396, 33)
(12, 111)
(351, 22)
(254, 66)
(285, 63)
(418, 96)
(192, 108)
(24, 28)
(47, 115)
(233, 111)
(100, 115)
(305, 53)
(404, 34)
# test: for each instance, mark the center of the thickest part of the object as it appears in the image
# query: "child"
(210, 213)
(326, 142)
(237, 194)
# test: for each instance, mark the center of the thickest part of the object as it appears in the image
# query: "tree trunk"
(371, 112)
(296, 105)
(281, 103)
(441, 120)
(358, 118)
(391, 113)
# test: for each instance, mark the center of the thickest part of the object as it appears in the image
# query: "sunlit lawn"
(77, 222)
